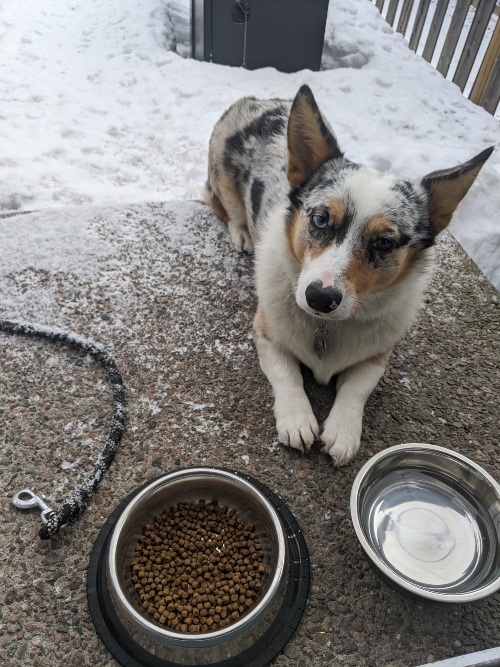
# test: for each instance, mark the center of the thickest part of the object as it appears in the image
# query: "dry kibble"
(198, 567)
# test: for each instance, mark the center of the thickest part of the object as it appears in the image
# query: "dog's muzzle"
(322, 300)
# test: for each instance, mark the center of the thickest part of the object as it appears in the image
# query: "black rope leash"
(74, 505)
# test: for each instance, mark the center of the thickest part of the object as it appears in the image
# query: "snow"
(101, 105)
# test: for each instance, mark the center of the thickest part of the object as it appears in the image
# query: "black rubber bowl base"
(130, 654)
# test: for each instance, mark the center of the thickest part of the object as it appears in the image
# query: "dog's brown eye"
(319, 220)
(383, 244)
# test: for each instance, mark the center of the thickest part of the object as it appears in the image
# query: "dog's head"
(356, 232)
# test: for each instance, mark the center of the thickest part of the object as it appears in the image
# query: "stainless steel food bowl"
(429, 521)
(115, 604)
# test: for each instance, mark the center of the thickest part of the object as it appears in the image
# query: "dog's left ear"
(448, 187)
(310, 140)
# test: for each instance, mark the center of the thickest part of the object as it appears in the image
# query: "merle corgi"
(343, 254)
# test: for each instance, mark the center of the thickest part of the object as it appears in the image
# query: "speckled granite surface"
(160, 288)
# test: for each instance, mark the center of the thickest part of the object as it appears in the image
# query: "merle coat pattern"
(343, 254)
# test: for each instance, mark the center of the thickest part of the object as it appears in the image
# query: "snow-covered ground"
(99, 104)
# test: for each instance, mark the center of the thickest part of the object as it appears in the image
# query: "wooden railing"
(409, 19)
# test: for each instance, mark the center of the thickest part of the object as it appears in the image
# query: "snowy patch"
(273, 447)
(199, 406)
(226, 349)
(405, 381)
(103, 106)
(66, 465)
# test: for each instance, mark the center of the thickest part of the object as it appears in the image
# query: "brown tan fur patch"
(295, 232)
(303, 130)
(381, 359)
(446, 194)
(215, 203)
(228, 198)
(406, 264)
(337, 210)
(260, 324)
(314, 252)
(365, 279)
(310, 141)
(378, 224)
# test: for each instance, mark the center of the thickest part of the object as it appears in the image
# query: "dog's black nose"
(322, 300)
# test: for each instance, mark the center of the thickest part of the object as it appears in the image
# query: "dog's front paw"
(241, 238)
(296, 424)
(342, 435)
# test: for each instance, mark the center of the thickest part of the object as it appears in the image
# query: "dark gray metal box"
(285, 34)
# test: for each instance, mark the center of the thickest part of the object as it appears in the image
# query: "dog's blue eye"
(319, 220)
(384, 244)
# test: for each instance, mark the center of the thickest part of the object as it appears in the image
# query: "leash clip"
(26, 499)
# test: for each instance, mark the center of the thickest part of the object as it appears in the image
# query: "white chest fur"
(327, 350)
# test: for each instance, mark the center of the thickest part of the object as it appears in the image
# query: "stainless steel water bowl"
(191, 485)
(429, 521)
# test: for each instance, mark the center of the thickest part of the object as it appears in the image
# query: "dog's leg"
(212, 200)
(229, 207)
(342, 430)
(237, 223)
(295, 421)
(238, 229)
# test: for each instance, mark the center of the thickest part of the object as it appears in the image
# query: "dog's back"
(247, 162)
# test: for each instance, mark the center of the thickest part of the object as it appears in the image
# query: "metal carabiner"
(26, 499)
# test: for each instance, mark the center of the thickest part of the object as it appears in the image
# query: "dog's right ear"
(447, 188)
(310, 140)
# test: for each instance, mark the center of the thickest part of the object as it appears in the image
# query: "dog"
(343, 254)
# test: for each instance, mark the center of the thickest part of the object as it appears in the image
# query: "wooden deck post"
(405, 16)
(422, 12)
(486, 75)
(476, 33)
(435, 29)
(451, 41)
